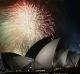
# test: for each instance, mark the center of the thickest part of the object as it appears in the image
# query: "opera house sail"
(22, 61)
(73, 58)
(14, 61)
(61, 60)
(46, 55)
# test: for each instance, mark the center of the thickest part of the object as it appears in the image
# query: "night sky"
(73, 27)
(67, 24)
(66, 20)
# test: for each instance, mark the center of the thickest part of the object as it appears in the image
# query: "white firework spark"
(24, 24)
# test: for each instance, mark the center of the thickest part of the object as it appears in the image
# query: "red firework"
(47, 27)
(26, 22)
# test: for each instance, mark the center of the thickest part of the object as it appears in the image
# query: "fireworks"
(22, 25)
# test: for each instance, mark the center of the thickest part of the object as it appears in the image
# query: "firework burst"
(22, 25)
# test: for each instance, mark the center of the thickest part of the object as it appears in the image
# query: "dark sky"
(67, 24)
(73, 27)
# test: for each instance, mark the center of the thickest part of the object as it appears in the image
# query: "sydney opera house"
(45, 60)
(30, 36)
